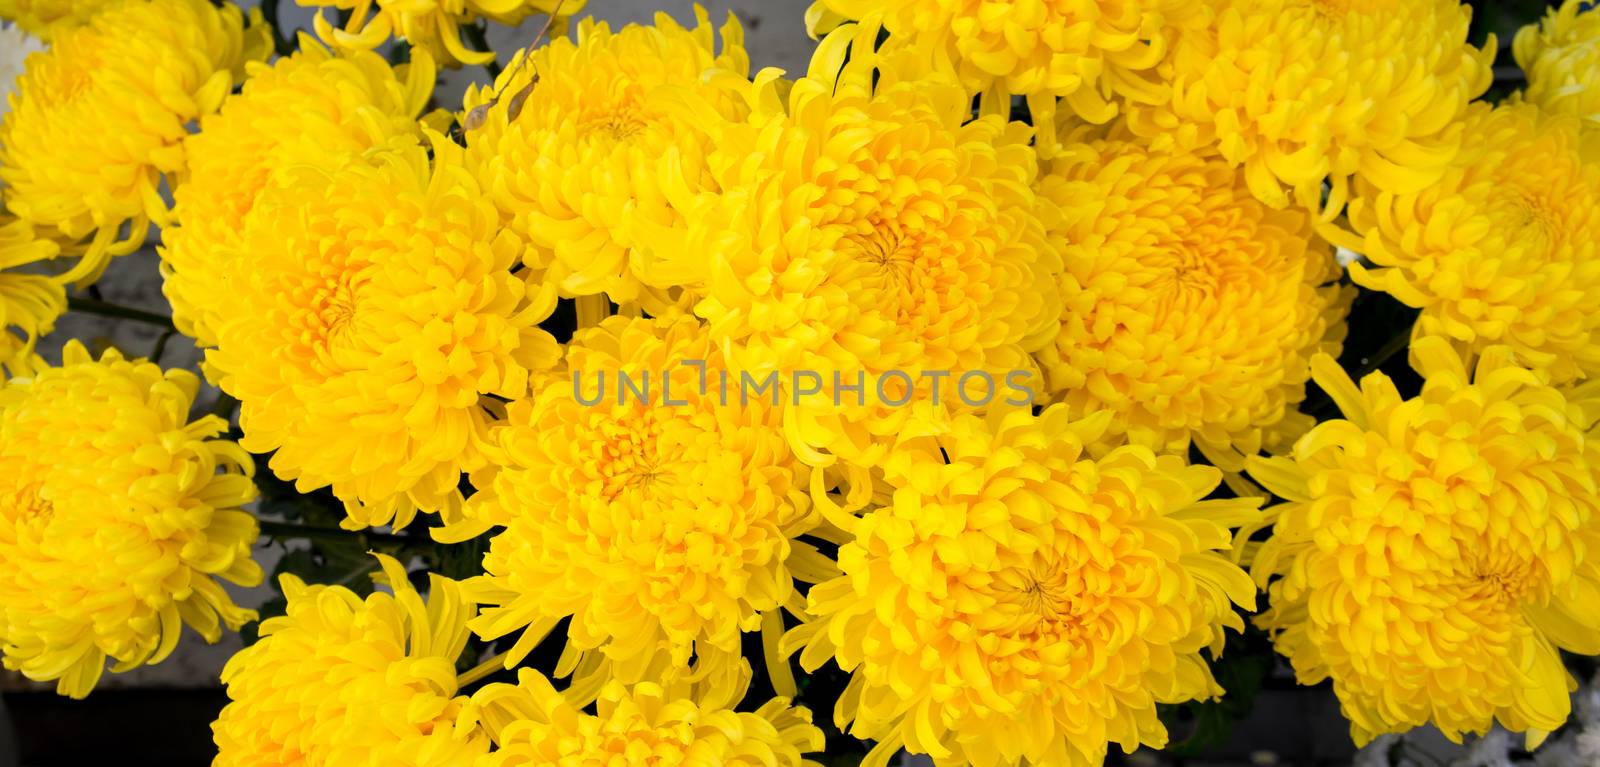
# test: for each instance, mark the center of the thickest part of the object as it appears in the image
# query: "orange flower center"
(28, 506)
(1044, 599)
(1334, 9)
(336, 308)
(619, 123)
(628, 458)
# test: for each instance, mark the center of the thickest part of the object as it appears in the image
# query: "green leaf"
(1241, 671)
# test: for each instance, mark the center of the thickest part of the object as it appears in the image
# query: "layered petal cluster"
(869, 232)
(1190, 309)
(101, 116)
(119, 518)
(341, 680)
(660, 525)
(1561, 56)
(44, 18)
(583, 145)
(1019, 602)
(1503, 248)
(374, 317)
(648, 725)
(1435, 554)
(310, 109)
(432, 26)
(29, 303)
(1091, 54)
(1298, 91)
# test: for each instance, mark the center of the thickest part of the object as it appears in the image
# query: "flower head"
(45, 18)
(1435, 553)
(1021, 603)
(1090, 54)
(661, 527)
(1190, 309)
(1298, 91)
(586, 151)
(310, 109)
(118, 519)
(342, 680)
(139, 72)
(29, 303)
(1502, 248)
(374, 317)
(432, 26)
(867, 226)
(1561, 57)
(648, 725)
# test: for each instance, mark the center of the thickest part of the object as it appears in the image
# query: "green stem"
(1400, 341)
(478, 36)
(107, 309)
(269, 12)
(497, 663)
(161, 346)
(333, 534)
(1324, 406)
(225, 406)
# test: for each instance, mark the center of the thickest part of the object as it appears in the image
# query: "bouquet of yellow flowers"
(1013, 383)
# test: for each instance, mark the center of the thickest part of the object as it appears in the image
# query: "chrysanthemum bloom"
(1436, 553)
(338, 680)
(661, 527)
(1020, 602)
(29, 303)
(1191, 309)
(118, 519)
(869, 229)
(44, 18)
(428, 25)
(308, 109)
(649, 725)
(1561, 57)
(1297, 92)
(374, 316)
(1502, 249)
(596, 157)
(1091, 54)
(138, 72)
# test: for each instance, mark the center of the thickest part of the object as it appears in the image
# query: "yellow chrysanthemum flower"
(1021, 603)
(1436, 553)
(309, 109)
(1297, 92)
(29, 303)
(374, 317)
(139, 72)
(433, 26)
(45, 18)
(597, 156)
(649, 725)
(339, 680)
(871, 231)
(1191, 310)
(1092, 54)
(662, 527)
(1502, 249)
(118, 517)
(1561, 57)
